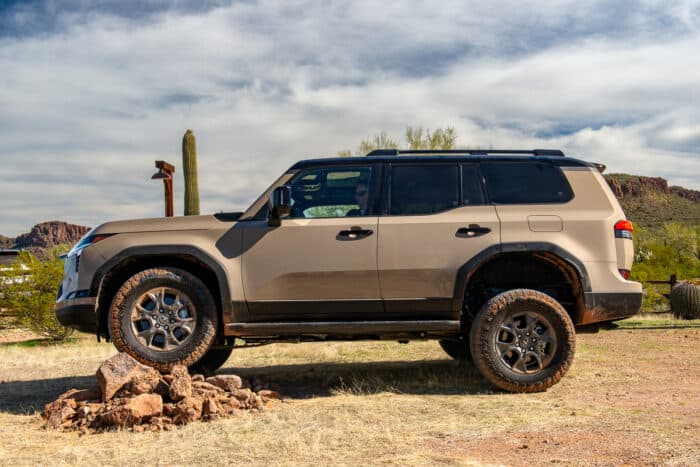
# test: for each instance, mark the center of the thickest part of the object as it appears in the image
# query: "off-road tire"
(510, 307)
(456, 348)
(211, 361)
(202, 337)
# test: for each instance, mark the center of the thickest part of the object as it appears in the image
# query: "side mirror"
(279, 205)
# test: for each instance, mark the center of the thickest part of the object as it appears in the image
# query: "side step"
(340, 328)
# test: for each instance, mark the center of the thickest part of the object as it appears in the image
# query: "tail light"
(623, 229)
(625, 273)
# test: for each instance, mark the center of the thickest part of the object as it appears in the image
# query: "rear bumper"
(78, 313)
(601, 307)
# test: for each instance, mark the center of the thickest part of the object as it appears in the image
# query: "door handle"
(474, 230)
(354, 233)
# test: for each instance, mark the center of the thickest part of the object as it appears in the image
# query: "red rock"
(134, 410)
(145, 384)
(59, 412)
(243, 395)
(204, 388)
(181, 386)
(269, 394)
(188, 410)
(226, 382)
(210, 406)
(118, 371)
(145, 406)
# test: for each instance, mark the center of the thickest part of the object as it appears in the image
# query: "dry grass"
(632, 396)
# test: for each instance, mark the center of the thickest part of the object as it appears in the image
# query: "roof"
(554, 157)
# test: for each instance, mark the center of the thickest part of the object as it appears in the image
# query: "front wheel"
(522, 341)
(163, 317)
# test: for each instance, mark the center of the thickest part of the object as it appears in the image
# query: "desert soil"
(632, 397)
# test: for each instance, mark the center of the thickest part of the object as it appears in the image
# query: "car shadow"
(27, 397)
(302, 381)
(428, 377)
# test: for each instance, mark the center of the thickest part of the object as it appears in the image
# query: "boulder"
(118, 371)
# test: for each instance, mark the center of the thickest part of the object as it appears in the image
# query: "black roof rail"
(471, 152)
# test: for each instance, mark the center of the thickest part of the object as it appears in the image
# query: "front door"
(320, 264)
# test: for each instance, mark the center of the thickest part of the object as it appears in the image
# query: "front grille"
(77, 262)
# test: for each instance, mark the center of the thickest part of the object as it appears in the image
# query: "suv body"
(442, 238)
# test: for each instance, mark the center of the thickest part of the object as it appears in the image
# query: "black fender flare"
(468, 269)
(169, 251)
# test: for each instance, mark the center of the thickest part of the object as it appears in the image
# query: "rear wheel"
(456, 348)
(163, 317)
(522, 341)
(211, 361)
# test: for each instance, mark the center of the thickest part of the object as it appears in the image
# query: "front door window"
(331, 192)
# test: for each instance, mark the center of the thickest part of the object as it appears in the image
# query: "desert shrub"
(670, 249)
(28, 293)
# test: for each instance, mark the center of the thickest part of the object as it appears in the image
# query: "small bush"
(28, 294)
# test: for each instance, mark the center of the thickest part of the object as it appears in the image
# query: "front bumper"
(600, 307)
(78, 313)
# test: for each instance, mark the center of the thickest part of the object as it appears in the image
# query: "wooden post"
(165, 173)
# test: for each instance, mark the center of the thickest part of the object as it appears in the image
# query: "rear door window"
(525, 183)
(424, 188)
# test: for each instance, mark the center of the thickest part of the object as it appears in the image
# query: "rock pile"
(134, 396)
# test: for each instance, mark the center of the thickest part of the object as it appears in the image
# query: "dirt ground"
(632, 397)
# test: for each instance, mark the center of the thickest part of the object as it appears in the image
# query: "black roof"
(554, 157)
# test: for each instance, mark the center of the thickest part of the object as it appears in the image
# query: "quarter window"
(424, 188)
(525, 183)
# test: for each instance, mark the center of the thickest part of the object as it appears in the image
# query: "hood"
(161, 224)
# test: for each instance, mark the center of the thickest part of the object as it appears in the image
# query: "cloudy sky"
(92, 92)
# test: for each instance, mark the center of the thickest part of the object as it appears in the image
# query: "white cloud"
(89, 105)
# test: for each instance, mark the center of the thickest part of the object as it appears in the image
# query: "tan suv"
(496, 254)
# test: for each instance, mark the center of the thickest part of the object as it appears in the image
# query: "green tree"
(416, 138)
(29, 292)
(379, 141)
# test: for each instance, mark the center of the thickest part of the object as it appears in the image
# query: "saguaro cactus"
(189, 168)
(685, 301)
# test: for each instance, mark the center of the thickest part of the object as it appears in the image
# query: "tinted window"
(331, 192)
(525, 183)
(471, 185)
(424, 189)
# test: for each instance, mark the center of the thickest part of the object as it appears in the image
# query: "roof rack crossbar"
(471, 152)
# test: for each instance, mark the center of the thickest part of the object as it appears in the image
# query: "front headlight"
(87, 240)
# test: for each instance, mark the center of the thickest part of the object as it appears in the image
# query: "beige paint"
(419, 256)
(303, 259)
(407, 257)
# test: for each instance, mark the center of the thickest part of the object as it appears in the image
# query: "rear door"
(436, 220)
